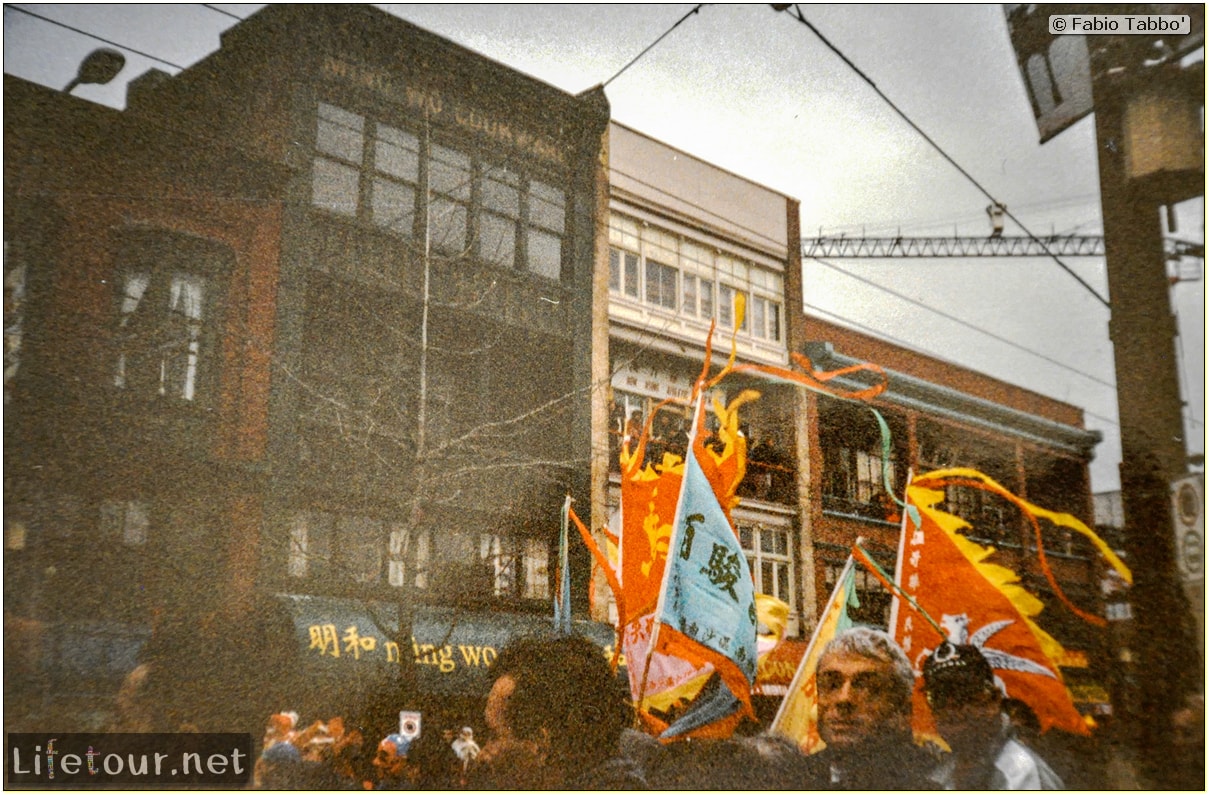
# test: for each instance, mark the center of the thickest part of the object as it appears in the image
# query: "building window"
(367, 169)
(499, 192)
(126, 520)
(340, 549)
(449, 181)
(396, 179)
(660, 284)
(853, 480)
(623, 272)
(874, 607)
(770, 558)
(165, 315)
(337, 179)
(547, 225)
(726, 307)
(520, 566)
(765, 318)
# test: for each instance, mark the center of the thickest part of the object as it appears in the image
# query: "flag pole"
(814, 637)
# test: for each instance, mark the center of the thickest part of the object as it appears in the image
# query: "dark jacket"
(895, 765)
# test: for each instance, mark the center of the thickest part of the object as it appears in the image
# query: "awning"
(356, 643)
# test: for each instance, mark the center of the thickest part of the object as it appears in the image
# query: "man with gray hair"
(864, 683)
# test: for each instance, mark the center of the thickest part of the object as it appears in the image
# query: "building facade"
(307, 327)
(684, 239)
(306, 347)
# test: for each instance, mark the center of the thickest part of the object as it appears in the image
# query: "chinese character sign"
(708, 599)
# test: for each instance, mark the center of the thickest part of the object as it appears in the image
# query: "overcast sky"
(756, 92)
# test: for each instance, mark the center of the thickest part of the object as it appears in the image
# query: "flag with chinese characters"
(797, 717)
(662, 683)
(706, 611)
(974, 602)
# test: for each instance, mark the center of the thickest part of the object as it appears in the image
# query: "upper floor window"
(623, 272)
(660, 284)
(166, 314)
(367, 169)
(854, 473)
(770, 558)
(682, 277)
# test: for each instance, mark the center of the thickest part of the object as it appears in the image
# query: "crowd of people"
(558, 718)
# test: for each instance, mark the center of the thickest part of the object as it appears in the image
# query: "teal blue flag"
(708, 593)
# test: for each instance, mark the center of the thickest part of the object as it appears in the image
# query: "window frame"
(449, 200)
(147, 330)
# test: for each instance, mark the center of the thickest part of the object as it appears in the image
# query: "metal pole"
(1143, 330)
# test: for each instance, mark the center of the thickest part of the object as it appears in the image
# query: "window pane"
(614, 270)
(707, 298)
(448, 222)
(497, 240)
(726, 306)
(394, 206)
(689, 299)
(335, 186)
(757, 317)
(547, 207)
(746, 537)
(631, 275)
(340, 133)
(545, 254)
(450, 172)
(774, 322)
(297, 565)
(537, 577)
(500, 194)
(660, 284)
(397, 152)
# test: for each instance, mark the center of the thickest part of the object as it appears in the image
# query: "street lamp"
(98, 68)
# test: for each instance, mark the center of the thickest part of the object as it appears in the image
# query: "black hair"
(564, 686)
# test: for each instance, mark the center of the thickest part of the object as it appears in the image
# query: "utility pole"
(1143, 332)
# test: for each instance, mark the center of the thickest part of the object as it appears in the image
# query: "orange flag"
(975, 602)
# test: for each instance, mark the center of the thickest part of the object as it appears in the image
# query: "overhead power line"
(911, 346)
(102, 39)
(966, 324)
(222, 11)
(802, 19)
(651, 46)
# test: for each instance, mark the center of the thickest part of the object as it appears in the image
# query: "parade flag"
(974, 602)
(706, 611)
(562, 589)
(797, 717)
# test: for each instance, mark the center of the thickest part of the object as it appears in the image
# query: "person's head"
(965, 702)
(390, 761)
(555, 702)
(864, 685)
(1023, 720)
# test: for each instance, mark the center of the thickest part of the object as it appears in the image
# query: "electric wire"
(651, 46)
(101, 39)
(965, 323)
(914, 347)
(802, 19)
(822, 262)
(221, 11)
